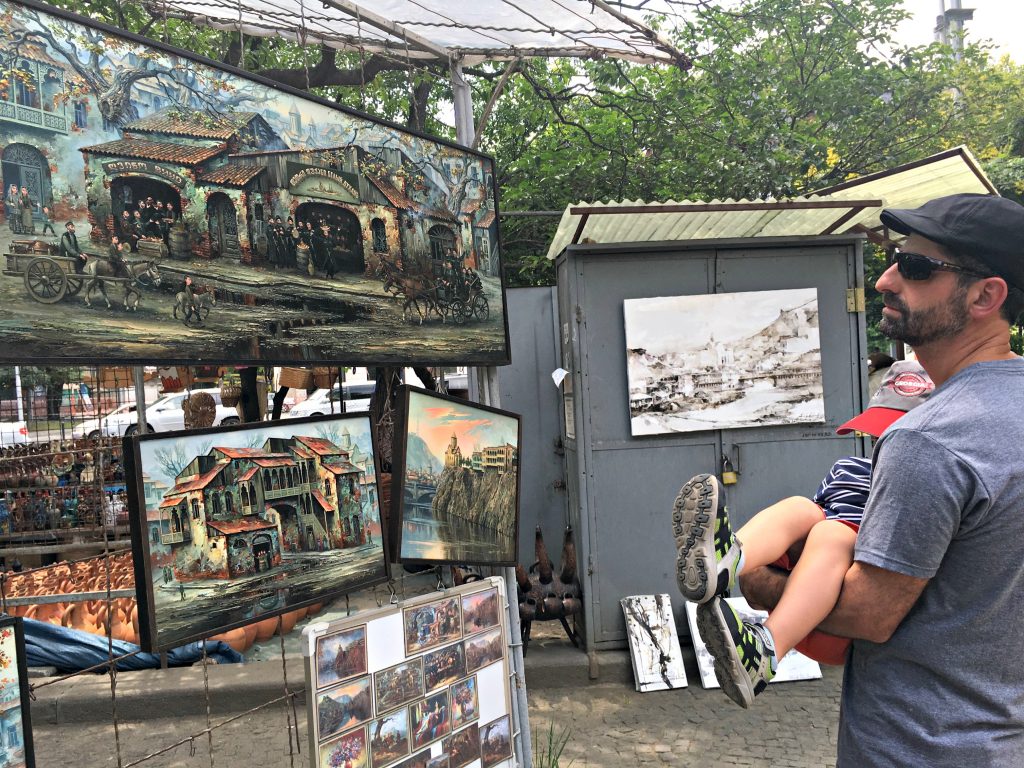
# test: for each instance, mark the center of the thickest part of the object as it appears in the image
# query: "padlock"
(729, 475)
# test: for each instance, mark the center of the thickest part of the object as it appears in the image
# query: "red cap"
(905, 386)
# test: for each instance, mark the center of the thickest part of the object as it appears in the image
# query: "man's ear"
(988, 296)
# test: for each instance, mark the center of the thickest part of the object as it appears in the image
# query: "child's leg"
(773, 530)
(814, 585)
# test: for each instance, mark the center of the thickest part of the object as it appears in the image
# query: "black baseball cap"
(987, 227)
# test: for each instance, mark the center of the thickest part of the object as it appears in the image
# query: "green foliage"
(874, 266)
(547, 752)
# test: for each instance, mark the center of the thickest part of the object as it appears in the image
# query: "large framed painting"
(15, 724)
(723, 361)
(162, 206)
(239, 524)
(456, 499)
(460, 717)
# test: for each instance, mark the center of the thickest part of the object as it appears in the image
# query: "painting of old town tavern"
(158, 207)
(237, 525)
(723, 361)
(458, 469)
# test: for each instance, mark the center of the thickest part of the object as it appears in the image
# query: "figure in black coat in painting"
(69, 247)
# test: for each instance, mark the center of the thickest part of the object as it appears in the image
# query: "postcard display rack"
(424, 683)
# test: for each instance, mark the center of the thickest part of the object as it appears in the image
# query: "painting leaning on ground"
(16, 750)
(158, 206)
(458, 498)
(237, 525)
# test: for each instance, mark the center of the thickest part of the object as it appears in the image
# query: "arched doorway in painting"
(442, 242)
(126, 192)
(344, 236)
(291, 531)
(263, 551)
(25, 166)
(223, 223)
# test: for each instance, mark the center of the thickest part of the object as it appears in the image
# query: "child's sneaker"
(744, 652)
(707, 554)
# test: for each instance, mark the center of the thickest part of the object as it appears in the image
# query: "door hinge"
(855, 301)
(579, 314)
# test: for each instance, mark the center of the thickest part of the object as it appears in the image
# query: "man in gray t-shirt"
(935, 599)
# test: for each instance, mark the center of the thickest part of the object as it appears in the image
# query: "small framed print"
(495, 742)
(480, 611)
(420, 760)
(398, 685)
(463, 747)
(344, 706)
(431, 625)
(443, 666)
(389, 738)
(465, 702)
(456, 481)
(430, 719)
(483, 649)
(17, 749)
(348, 750)
(340, 656)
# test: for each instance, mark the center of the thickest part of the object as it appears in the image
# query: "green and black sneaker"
(707, 553)
(744, 652)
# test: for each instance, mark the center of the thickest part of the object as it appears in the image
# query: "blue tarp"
(69, 650)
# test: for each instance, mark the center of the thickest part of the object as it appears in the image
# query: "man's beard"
(924, 326)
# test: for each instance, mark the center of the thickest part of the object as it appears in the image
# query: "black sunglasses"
(916, 266)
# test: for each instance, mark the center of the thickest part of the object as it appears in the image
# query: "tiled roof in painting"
(161, 151)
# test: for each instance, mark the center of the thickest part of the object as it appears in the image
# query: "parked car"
(327, 401)
(14, 433)
(164, 415)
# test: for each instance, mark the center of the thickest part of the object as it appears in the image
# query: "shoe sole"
(693, 525)
(732, 676)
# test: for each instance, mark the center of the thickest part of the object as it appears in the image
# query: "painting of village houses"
(459, 471)
(158, 207)
(240, 524)
(15, 733)
(723, 361)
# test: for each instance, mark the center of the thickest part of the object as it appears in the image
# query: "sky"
(1001, 21)
(436, 420)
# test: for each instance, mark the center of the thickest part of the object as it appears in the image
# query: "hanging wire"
(362, 62)
(206, 694)
(302, 41)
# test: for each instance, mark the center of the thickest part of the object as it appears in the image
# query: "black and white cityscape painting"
(723, 361)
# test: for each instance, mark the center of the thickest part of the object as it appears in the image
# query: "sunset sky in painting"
(435, 421)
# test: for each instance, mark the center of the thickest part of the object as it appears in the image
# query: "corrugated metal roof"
(852, 206)
(164, 151)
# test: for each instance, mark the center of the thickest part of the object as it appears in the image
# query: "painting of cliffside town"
(240, 524)
(459, 482)
(723, 361)
(157, 207)
(15, 732)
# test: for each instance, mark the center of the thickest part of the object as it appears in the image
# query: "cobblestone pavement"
(793, 725)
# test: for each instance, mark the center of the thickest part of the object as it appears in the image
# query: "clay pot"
(250, 635)
(235, 638)
(288, 622)
(314, 609)
(265, 629)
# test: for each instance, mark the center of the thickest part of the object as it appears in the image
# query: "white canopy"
(431, 29)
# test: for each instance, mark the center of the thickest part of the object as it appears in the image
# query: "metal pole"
(17, 392)
(140, 399)
(483, 386)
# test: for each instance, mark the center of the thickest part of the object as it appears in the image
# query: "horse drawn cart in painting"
(49, 277)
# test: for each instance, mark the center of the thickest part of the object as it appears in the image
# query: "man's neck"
(944, 358)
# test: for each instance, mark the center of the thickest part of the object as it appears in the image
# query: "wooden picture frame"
(15, 695)
(296, 219)
(432, 430)
(276, 515)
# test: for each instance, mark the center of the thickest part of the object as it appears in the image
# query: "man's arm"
(871, 605)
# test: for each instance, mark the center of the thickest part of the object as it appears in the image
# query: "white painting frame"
(653, 643)
(723, 361)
